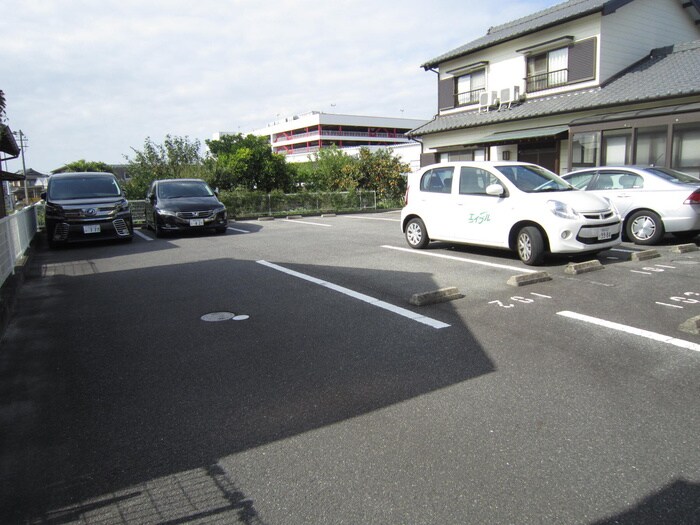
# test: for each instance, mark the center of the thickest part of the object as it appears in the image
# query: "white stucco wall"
(507, 68)
(631, 32)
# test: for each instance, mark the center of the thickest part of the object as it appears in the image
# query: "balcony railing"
(337, 133)
(468, 97)
(547, 80)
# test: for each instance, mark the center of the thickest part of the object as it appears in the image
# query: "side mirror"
(43, 195)
(496, 190)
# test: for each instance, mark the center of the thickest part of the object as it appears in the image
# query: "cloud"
(92, 80)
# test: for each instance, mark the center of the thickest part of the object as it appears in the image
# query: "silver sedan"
(652, 201)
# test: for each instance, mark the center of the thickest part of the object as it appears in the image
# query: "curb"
(438, 296)
(691, 326)
(645, 255)
(529, 278)
(584, 267)
(685, 248)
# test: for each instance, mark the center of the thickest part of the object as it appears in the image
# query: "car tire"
(416, 234)
(644, 227)
(50, 227)
(530, 246)
(157, 229)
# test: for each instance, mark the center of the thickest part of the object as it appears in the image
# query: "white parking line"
(362, 297)
(143, 235)
(237, 230)
(631, 330)
(306, 222)
(461, 259)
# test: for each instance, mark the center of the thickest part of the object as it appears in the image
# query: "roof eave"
(620, 105)
(606, 8)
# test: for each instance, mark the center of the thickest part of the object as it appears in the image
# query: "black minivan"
(86, 207)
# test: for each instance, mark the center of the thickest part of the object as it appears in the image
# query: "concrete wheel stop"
(529, 278)
(437, 296)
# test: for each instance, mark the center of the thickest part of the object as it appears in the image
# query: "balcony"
(547, 80)
(315, 134)
(468, 97)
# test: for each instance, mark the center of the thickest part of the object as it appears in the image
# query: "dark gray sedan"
(178, 205)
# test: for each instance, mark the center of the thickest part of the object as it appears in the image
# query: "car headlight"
(612, 206)
(53, 210)
(123, 206)
(563, 210)
(161, 211)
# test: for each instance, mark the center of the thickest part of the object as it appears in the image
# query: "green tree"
(84, 165)
(330, 169)
(247, 162)
(176, 157)
(382, 172)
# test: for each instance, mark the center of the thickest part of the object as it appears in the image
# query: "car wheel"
(50, 227)
(530, 246)
(644, 227)
(416, 234)
(156, 227)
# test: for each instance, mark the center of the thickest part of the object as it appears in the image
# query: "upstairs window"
(469, 87)
(548, 70)
(560, 62)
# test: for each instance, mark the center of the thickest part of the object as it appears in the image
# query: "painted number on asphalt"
(650, 270)
(519, 299)
(687, 298)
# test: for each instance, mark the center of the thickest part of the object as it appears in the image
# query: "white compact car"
(512, 205)
(651, 200)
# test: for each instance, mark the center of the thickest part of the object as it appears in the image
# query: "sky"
(94, 79)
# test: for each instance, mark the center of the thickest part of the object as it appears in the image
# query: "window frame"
(547, 78)
(474, 94)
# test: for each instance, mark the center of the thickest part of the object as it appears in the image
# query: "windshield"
(673, 175)
(83, 188)
(533, 179)
(184, 188)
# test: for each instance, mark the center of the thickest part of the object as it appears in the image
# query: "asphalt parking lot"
(280, 374)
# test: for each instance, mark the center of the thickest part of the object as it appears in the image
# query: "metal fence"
(271, 204)
(241, 204)
(16, 233)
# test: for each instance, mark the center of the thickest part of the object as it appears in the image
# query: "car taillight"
(693, 198)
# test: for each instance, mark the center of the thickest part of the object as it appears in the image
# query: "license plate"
(196, 222)
(91, 228)
(604, 234)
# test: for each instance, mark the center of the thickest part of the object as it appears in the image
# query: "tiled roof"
(666, 73)
(548, 17)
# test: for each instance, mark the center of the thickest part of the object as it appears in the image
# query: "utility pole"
(22, 143)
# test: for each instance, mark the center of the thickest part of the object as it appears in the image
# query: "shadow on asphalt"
(111, 380)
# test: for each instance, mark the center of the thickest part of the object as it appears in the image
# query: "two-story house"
(583, 83)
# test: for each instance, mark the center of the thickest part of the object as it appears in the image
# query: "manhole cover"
(218, 316)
